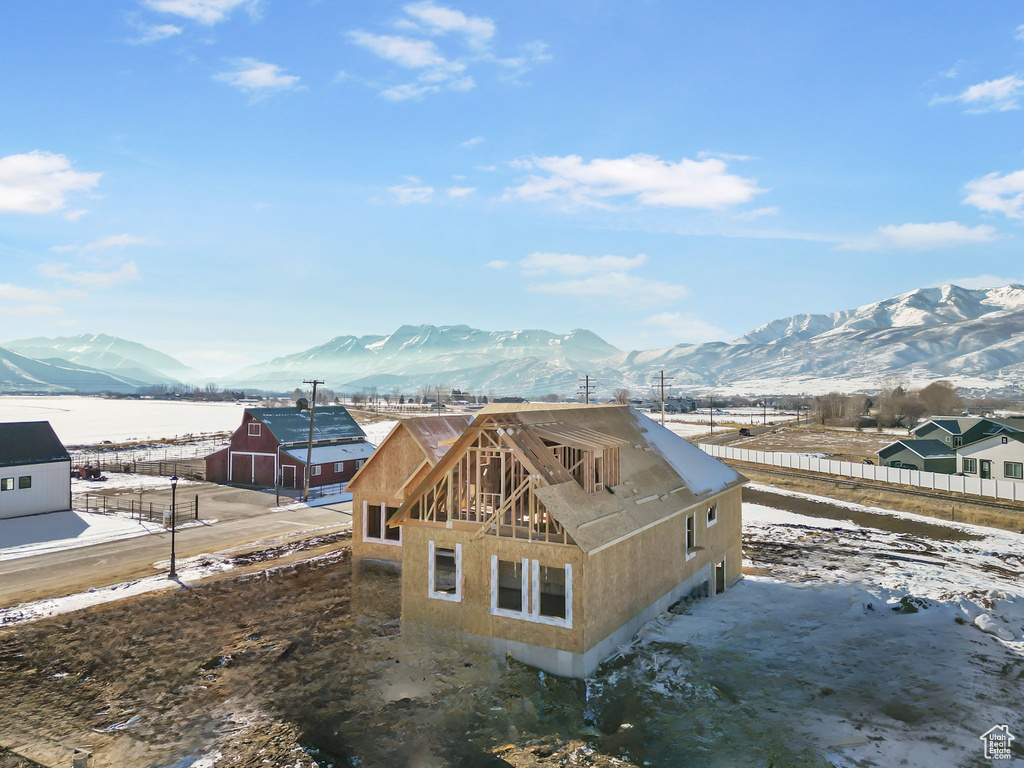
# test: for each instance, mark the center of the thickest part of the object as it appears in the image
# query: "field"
(860, 637)
(839, 444)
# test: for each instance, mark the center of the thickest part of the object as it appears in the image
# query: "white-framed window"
(712, 514)
(957, 442)
(339, 466)
(360, 462)
(691, 536)
(255, 429)
(1013, 470)
(375, 524)
(970, 466)
(315, 471)
(525, 589)
(444, 576)
(7, 484)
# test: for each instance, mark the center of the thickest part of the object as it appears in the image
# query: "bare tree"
(621, 396)
(896, 406)
(941, 397)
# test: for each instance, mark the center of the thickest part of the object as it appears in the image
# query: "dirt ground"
(841, 445)
(274, 668)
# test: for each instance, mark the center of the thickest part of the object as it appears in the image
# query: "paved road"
(75, 570)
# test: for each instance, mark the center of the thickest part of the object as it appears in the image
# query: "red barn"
(272, 443)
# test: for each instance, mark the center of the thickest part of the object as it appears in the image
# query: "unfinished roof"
(661, 474)
(29, 442)
(436, 434)
(290, 425)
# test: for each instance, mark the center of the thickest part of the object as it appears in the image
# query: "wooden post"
(197, 506)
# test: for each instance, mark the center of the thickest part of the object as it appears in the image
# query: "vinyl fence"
(1006, 490)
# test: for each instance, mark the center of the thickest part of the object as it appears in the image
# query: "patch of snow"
(701, 473)
(757, 513)
(121, 481)
(37, 534)
(377, 431)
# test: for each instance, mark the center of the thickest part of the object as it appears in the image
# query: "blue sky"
(230, 180)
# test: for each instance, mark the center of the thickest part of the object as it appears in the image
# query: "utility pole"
(588, 385)
(662, 377)
(309, 446)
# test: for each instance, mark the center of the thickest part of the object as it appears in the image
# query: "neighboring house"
(379, 487)
(926, 455)
(957, 431)
(553, 533)
(271, 445)
(35, 470)
(1000, 457)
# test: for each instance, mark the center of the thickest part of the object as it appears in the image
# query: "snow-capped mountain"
(109, 353)
(973, 337)
(25, 374)
(428, 354)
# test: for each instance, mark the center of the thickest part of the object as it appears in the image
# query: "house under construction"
(551, 533)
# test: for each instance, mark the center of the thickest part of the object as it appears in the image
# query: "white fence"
(932, 481)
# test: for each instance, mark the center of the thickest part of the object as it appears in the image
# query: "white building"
(35, 470)
(1000, 457)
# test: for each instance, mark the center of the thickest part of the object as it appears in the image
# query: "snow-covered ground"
(896, 645)
(87, 420)
(38, 534)
(118, 481)
(377, 431)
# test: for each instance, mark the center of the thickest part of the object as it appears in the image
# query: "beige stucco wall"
(622, 580)
(472, 614)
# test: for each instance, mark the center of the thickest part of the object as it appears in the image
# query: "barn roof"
(30, 442)
(290, 425)
(328, 454)
(661, 474)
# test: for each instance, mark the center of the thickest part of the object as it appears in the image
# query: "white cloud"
(538, 263)
(437, 20)
(619, 286)
(472, 142)
(151, 33)
(703, 154)
(98, 279)
(756, 213)
(941, 234)
(409, 193)
(607, 276)
(37, 182)
(1019, 33)
(258, 78)
(498, 264)
(10, 292)
(686, 328)
(207, 12)
(74, 215)
(113, 241)
(981, 281)
(466, 38)
(460, 191)
(646, 179)
(998, 194)
(991, 96)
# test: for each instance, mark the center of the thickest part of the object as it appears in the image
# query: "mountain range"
(973, 337)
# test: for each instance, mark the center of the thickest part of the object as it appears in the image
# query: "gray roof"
(328, 454)
(30, 442)
(290, 425)
(926, 449)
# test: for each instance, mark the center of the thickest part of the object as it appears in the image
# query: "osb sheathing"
(381, 480)
(623, 579)
(472, 615)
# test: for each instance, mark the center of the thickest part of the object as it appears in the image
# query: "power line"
(587, 388)
(309, 446)
(663, 380)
